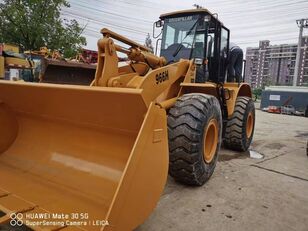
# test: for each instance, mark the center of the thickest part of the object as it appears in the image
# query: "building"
(275, 64)
(282, 95)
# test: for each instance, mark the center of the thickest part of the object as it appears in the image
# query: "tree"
(267, 81)
(32, 24)
(257, 92)
(148, 42)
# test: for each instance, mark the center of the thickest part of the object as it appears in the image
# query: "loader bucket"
(67, 72)
(95, 154)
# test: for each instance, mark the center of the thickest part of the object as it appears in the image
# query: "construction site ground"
(245, 193)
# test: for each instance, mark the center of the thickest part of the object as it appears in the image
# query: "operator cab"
(196, 34)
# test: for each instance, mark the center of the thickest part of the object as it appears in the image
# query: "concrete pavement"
(244, 193)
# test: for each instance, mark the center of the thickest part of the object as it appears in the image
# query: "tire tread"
(185, 129)
(235, 133)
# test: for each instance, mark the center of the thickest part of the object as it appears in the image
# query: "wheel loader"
(10, 58)
(51, 67)
(105, 150)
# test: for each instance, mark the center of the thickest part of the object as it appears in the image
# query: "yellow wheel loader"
(10, 58)
(102, 152)
(51, 67)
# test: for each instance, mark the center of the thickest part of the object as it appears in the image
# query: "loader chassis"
(106, 148)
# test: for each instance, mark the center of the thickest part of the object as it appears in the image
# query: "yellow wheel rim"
(249, 125)
(210, 140)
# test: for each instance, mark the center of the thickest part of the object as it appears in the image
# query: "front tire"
(240, 127)
(194, 129)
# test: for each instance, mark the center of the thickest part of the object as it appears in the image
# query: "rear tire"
(240, 127)
(194, 129)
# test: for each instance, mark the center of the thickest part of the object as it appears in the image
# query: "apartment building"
(275, 64)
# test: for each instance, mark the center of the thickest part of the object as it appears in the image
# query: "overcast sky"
(248, 20)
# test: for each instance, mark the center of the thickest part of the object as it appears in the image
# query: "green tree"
(257, 93)
(35, 23)
(267, 81)
(148, 42)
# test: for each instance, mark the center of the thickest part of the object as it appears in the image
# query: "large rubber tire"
(240, 127)
(189, 119)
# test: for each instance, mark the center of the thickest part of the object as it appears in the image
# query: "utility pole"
(301, 23)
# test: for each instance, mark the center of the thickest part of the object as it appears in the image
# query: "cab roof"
(187, 13)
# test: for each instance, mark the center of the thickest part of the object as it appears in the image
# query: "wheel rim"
(249, 125)
(210, 140)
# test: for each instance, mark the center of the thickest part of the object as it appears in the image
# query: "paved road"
(245, 193)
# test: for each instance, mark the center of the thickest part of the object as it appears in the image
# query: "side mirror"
(157, 24)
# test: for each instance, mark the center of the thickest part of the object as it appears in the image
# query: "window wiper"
(180, 45)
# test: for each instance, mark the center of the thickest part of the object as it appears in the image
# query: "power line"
(100, 22)
(110, 13)
(249, 21)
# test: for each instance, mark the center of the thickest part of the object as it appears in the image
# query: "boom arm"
(107, 67)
